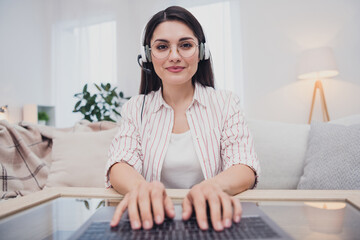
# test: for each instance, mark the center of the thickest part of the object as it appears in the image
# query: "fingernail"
(204, 225)
(146, 224)
(112, 223)
(237, 219)
(135, 224)
(158, 219)
(227, 223)
(219, 226)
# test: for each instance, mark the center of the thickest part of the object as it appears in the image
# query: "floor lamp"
(318, 63)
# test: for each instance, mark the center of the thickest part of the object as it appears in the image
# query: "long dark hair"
(204, 74)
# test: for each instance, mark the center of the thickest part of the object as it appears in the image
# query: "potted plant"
(43, 117)
(102, 105)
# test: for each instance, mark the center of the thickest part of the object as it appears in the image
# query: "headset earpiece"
(144, 50)
(204, 51)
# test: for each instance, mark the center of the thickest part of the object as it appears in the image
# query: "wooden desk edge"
(12, 206)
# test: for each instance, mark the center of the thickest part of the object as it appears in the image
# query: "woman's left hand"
(223, 208)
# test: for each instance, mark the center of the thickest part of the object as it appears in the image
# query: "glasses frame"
(177, 49)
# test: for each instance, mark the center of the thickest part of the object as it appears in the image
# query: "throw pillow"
(332, 157)
(79, 158)
(281, 151)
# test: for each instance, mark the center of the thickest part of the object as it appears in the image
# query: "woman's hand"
(223, 208)
(146, 198)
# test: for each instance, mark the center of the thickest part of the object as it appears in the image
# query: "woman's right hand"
(141, 202)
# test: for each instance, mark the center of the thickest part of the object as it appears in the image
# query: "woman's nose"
(174, 54)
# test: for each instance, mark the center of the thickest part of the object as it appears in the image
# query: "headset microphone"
(146, 70)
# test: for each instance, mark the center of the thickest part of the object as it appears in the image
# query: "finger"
(157, 203)
(226, 210)
(120, 209)
(133, 211)
(145, 208)
(237, 209)
(215, 211)
(169, 206)
(186, 209)
(199, 202)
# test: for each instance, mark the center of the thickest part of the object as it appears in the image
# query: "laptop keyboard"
(248, 228)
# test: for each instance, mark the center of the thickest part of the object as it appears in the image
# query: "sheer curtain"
(84, 51)
(221, 22)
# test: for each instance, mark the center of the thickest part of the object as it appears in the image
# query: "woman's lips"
(175, 69)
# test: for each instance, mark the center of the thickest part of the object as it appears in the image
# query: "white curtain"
(84, 51)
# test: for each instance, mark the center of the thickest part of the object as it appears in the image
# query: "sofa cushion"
(79, 158)
(332, 157)
(281, 151)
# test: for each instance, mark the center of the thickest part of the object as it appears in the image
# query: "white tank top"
(181, 167)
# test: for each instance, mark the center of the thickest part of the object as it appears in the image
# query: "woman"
(184, 134)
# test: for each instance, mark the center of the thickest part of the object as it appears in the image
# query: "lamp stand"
(318, 85)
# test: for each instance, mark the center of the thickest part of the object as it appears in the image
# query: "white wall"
(25, 34)
(274, 34)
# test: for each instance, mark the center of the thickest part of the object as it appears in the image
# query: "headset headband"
(204, 50)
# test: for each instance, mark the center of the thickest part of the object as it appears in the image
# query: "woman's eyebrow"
(181, 39)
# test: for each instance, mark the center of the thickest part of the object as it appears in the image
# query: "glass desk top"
(58, 219)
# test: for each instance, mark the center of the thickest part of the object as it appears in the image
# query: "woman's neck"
(178, 95)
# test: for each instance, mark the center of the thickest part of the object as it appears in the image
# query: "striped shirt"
(217, 125)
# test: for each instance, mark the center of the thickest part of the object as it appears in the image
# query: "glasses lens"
(186, 48)
(162, 49)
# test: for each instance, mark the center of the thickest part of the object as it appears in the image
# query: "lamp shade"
(317, 63)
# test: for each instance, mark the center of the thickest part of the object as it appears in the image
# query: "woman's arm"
(124, 177)
(235, 179)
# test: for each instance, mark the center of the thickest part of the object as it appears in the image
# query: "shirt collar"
(199, 96)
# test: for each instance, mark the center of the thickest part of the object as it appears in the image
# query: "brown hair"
(204, 74)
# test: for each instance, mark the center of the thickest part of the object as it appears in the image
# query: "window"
(82, 53)
(96, 53)
(215, 20)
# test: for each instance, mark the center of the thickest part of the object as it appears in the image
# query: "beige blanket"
(25, 154)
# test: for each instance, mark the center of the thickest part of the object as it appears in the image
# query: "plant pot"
(42, 122)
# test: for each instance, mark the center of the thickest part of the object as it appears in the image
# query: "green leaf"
(97, 87)
(121, 94)
(83, 110)
(98, 115)
(102, 86)
(87, 117)
(102, 203)
(116, 112)
(85, 88)
(107, 87)
(77, 104)
(87, 205)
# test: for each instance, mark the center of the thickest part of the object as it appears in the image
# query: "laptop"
(254, 224)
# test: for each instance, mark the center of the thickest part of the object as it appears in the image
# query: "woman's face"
(174, 69)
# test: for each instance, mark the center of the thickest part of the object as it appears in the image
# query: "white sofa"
(282, 147)
(76, 157)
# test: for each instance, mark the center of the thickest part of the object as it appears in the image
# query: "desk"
(288, 208)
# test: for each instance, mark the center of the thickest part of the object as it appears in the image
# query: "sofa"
(292, 156)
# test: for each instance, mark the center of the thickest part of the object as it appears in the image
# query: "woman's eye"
(186, 45)
(161, 47)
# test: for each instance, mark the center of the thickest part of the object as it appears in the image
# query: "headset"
(145, 57)
(145, 54)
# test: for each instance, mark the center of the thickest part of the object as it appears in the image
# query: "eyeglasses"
(161, 50)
